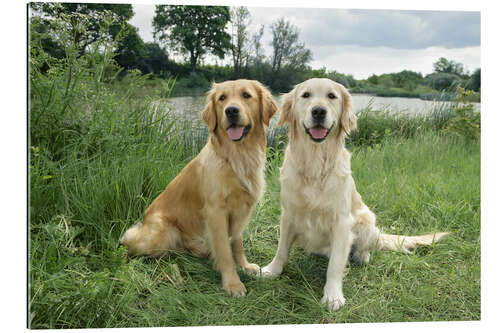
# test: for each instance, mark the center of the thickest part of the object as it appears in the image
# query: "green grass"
(80, 206)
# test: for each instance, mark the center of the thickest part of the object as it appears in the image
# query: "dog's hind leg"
(154, 237)
(364, 229)
(365, 234)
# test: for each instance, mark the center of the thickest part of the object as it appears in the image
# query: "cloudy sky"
(364, 42)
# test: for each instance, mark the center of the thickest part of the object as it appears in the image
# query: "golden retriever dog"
(321, 209)
(205, 209)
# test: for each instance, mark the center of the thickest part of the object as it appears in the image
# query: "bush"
(442, 81)
(375, 126)
(464, 121)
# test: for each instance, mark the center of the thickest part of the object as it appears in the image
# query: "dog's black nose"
(232, 113)
(318, 113)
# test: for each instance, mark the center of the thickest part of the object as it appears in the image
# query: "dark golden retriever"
(205, 208)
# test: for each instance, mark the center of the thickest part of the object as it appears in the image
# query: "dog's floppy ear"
(209, 114)
(348, 120)
(268, 106)
(286, 107)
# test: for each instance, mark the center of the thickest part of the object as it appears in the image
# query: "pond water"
(190, 107)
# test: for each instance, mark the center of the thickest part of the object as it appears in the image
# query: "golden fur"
(205, 208)
(321, 209)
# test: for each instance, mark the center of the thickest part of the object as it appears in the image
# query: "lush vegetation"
(202, 33)
(99, 155)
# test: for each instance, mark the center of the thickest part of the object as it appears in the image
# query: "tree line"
(195, 32)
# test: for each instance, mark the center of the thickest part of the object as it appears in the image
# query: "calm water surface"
(189, 107)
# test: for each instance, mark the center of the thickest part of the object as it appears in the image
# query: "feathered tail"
(404, 244)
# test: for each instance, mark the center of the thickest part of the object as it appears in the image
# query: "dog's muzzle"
(317, 133)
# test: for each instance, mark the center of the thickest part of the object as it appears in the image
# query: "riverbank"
(184, 88)
(93, 174)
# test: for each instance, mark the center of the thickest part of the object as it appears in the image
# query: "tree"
(475, 80)
(130, 47)
(385, 80)
(48, 11)
(442, 80)
(373, 79)
(444, 65)
(193, 30)
(407, 79)
(347, 80)
(258, 69)
(290, 57)
(258, 52)
(240, 17)
(287, 49)
(155, 60)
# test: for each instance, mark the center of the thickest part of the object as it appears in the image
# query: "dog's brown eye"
(222, 97)
(306, 95)
(246, 95)
(331, 96)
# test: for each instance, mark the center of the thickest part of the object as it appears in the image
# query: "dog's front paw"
(334, 301)
(252, 269)
(269, 272)
(235, 288)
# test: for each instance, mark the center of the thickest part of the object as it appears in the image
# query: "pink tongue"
(235, 132)
(318, 132)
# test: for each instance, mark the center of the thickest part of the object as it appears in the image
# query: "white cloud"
(392, 28)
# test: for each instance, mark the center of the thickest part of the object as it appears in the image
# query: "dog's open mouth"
(237, 132)
(317, 133)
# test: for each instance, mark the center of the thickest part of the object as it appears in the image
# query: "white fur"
(321, 209)
(316, 188)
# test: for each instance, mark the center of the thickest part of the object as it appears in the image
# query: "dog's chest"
(249, 176)
(314, 192)
(315, 232)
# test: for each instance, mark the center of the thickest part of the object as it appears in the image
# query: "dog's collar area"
(245, 131)
(314, 139)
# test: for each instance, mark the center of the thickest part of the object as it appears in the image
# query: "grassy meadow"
(93, 173)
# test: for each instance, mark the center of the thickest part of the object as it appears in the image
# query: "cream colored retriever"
(205, 208)
(321, 209)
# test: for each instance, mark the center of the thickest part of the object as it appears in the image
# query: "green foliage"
(440, 85)
(155, 60)
(240, 41)
(444, 65)
(48, 12)
(289, 58)
(347, 80)
(73, 78)
(474, 82)
(193, 30)
(130, 47)
(406, 79)
(373, 79)
(287, 49)
(464, 121)
(443, 81)
(194, 80)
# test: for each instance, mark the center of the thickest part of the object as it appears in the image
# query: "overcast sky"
(362, 42)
